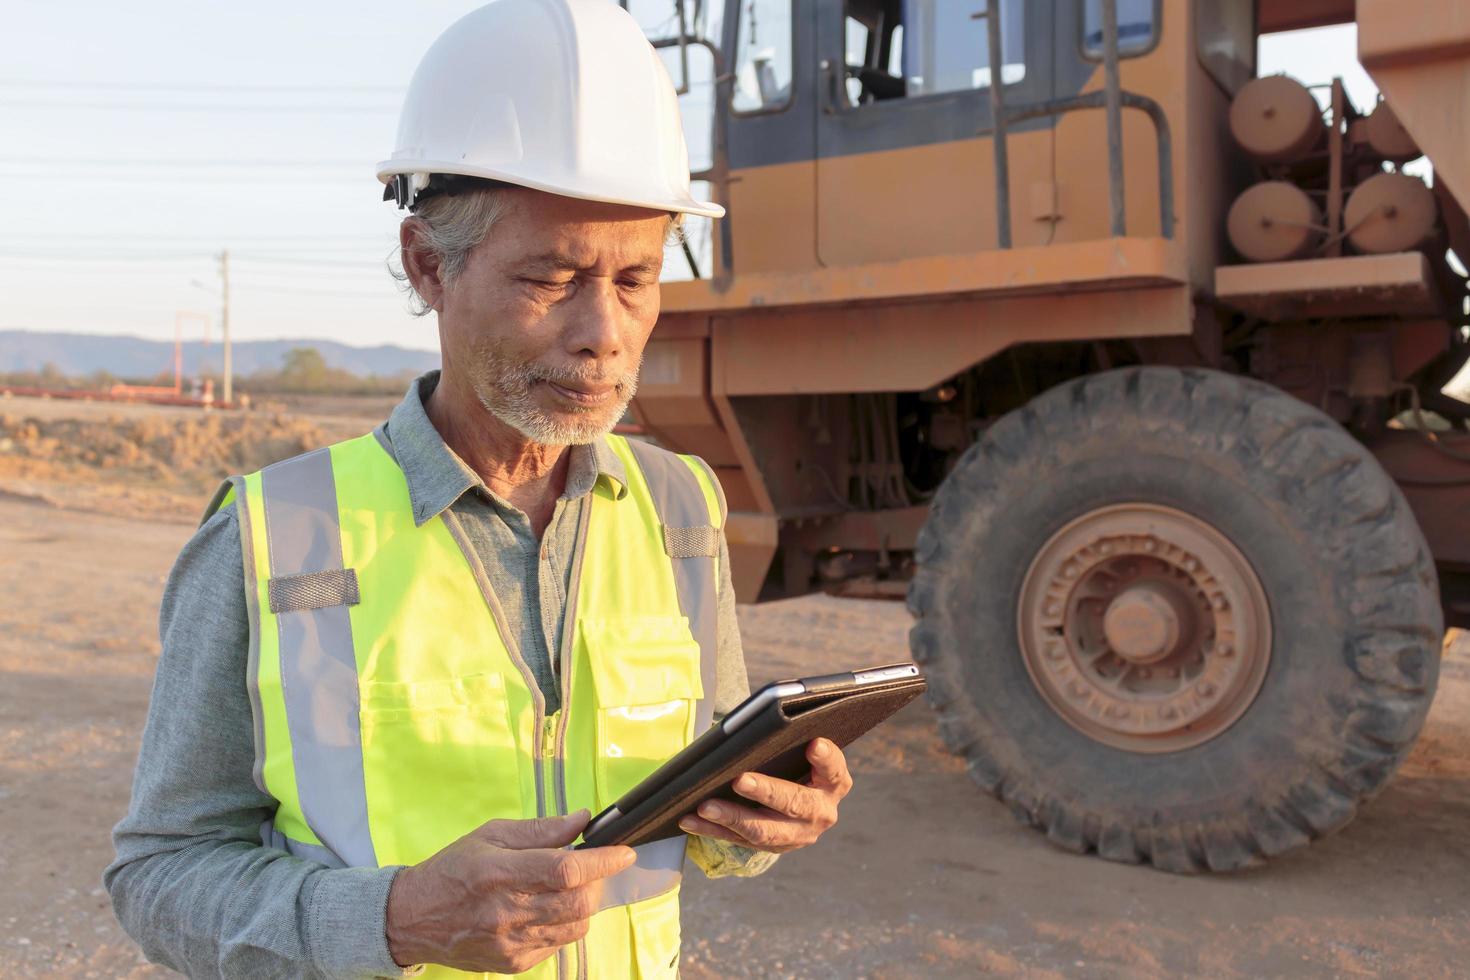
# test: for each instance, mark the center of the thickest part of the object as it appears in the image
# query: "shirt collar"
(437, 477)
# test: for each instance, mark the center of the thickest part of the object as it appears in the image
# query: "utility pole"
(224, 323)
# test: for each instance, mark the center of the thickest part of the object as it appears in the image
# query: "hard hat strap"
(409, 192)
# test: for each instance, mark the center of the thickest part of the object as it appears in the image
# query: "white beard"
(508, 391)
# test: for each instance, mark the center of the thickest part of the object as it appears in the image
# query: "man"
(398, 673)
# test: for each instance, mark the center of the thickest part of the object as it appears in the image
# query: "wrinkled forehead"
(565, 233)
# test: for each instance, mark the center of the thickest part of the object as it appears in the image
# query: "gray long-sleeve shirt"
(192, 883)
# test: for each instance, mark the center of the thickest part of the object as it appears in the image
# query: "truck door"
(904, 152)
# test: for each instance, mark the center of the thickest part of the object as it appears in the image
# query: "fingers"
(764, 830)
(704, 828)
(829, 768)
(560, 871)
(791, 815)
(541, 832)
(782, 795)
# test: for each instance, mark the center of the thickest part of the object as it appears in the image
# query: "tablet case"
(774, 742)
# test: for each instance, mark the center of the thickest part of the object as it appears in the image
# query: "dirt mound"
(181, 449)
(166, 463)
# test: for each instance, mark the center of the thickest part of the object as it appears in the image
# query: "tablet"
(768, 733)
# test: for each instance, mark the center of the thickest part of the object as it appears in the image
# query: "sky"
(139, 140)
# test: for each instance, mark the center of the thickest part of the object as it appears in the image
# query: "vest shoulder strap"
(222, 498)
(686, 495)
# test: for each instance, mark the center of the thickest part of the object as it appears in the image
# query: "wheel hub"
(1142, 625)
(1144, 628)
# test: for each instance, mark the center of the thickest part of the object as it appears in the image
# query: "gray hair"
(454, 224)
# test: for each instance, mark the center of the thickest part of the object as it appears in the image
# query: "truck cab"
(1019, 313)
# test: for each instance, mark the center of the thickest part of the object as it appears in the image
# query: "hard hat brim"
(681, 203)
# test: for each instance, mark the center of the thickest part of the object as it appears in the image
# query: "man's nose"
(596, 326)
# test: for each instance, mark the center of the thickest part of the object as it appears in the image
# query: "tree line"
(303, 371)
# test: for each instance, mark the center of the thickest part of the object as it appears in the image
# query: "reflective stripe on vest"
(341, 583)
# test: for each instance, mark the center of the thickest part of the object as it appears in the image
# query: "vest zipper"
(545, 756)
(567, 655)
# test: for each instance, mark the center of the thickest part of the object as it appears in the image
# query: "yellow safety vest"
(394, 714)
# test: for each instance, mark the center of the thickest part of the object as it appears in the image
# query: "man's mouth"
(584, 396)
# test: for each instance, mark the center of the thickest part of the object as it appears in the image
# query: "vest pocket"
(646, 673)
(656, 936)
(439, 759)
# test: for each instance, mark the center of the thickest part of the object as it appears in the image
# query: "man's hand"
(792, 815)
(502, 898)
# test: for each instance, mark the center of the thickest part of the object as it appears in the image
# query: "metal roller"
(1390, 213)
(1276, 120)
(1274, 222)
(1387, 137)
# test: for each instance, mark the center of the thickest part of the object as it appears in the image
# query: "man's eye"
(551, 284)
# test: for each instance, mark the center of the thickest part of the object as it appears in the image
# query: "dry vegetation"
(145, 462)
(924, 877)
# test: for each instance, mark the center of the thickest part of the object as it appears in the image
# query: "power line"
(364, 178)
(107, 256)
(269, 260)
(293, 254)
(346, 267)
(340, 246)
(188, 107)
(245, 289)
(205, 238)
(171, 163)
(114, 86)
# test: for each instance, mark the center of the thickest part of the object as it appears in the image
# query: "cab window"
(763, 56)
(1138, 27)
(908, 48)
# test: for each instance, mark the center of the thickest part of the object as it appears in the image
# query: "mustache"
(590, 374)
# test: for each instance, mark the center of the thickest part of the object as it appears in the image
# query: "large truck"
(1126, 367)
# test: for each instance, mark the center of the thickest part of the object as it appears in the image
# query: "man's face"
(548, 319)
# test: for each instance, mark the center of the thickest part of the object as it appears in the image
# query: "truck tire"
(1175, 616)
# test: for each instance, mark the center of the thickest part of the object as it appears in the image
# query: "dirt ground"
(923, 877)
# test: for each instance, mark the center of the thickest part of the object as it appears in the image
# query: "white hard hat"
(564, 96)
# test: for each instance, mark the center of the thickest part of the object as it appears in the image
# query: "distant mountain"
(78, 354)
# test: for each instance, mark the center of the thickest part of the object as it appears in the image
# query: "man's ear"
(421, 263)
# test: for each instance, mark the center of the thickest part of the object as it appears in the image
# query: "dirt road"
(923, 877)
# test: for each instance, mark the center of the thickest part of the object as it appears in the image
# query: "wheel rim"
(1144, 628)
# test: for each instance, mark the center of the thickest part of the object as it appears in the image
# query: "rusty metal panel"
(913, 346)
(1434, 29)
(875, 530)
(672, 367)
(773, 217)
(1437, 487)
(1106, 264)
(884, 206)
(1415, 343)
(1421, 62)
(752, 541)
(673, 402)
(680, 326)
(1398, 284)
(1295, 15)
